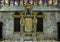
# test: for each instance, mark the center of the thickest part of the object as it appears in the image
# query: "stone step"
(31, 41)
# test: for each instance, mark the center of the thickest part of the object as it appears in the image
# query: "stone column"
(49, 25)
(22, 22)
(34, 28)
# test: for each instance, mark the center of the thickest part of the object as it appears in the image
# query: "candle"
(50, 2)
(25, 1)
(1, 2)
(6, 2)
(11, 2)
(21, 2)
(54, 2)
(45, 2)
(35, 2)
(16, 2)
(31, 1)
(40, 2)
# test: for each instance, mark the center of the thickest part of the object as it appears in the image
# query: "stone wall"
(8, 23)
(49, 23)
(50, 26)
(57, 16)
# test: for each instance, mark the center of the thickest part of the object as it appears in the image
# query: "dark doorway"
(58, 24)
(1, 24)
(16, 23)
(40, 22)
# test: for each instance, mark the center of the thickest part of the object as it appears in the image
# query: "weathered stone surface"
(8, 25)
(57, 16)
(45, 8)
(50, 27)
(16, 36)
(12, 8)
(49, 22)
